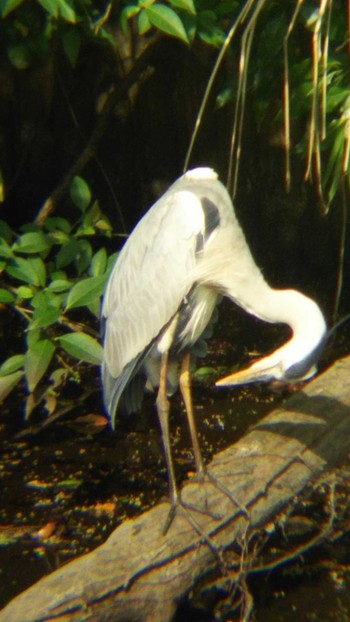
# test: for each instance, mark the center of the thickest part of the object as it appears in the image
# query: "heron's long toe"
(204, 476)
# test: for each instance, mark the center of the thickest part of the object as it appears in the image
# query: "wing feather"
(151, 277)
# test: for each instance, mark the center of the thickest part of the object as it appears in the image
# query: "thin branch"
(341, 252)
(236, 140)
(240, 19)
(286, 92)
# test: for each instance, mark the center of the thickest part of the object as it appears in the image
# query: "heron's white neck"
(289, 307)
(227, 265)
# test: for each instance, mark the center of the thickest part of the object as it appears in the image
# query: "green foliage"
(46, 273)
(182, 19)
(28, 29)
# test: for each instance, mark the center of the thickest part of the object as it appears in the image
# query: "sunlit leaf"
(127, 13)
(103, 224)
(66, 10)
(8, 383)
(24, 292)
(36, 361)
(50, 6)
(80, 193)
(35, 242)
(60, 285)
(83, 347)
(144, 24)
(186, 5)
(85, 292)
(167, 20)
(12, 364)
(9, 5)
(98, 263)
(5, 249)
(6, 297)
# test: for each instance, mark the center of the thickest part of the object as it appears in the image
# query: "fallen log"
(140, 574)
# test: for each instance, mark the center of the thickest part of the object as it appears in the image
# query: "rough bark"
(140, 574)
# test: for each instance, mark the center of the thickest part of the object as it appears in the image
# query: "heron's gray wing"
(150, 278)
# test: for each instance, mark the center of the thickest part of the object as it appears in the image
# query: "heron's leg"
(185, 388)
(163, 415)
(202, 472)
(175, 499)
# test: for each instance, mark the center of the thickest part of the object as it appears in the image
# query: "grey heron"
(186, 251)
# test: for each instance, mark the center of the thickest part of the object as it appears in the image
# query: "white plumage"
(186, 250)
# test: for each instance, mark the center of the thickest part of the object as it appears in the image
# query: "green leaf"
(24, 292)
(6, 297)
(80, 193)
(30, 227)
(67, 253)
(104, 225)
(82, 347)
(98, 263)
(19, 55)
(166, 20)
(71, 42)
(50, 6)
(30, 243)
(84, 255)
(7, 6)
(85, 292)
(186, 5)
(5, 231)
(44, 299)
(5, 249)
(208, 29)
(144, 24)
(36, 361)
(12, 364)
(127, 13)
(31, 270)
(60, 285)
(95, 308)
(91, 217)
(8, 383)
(66, 10)
(56, 222)
(45, 317)
(32, 337)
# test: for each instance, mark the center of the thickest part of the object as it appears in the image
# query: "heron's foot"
(204, 476)
(185, 510)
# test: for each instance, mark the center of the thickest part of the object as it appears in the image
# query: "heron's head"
(276, 366)
(295, 361)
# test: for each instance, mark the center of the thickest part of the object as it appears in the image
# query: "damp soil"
(66, 486)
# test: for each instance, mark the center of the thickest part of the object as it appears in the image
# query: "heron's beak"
(260, 371)
(264, 370)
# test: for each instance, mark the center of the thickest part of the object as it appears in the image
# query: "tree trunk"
(140, 574)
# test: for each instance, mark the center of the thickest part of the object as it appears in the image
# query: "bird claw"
(177, 505)
(205, 476)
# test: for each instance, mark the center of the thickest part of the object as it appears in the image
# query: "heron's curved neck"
(286, 306)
